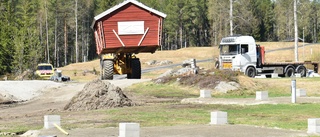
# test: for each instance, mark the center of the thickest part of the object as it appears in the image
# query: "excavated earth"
(99, 94)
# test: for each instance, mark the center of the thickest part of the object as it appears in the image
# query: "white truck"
(241, 53)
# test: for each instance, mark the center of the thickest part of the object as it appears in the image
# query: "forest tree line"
(58, 31)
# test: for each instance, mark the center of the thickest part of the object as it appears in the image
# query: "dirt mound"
(99, 94)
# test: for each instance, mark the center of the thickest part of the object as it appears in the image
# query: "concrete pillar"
(301, 93)
(262, 95)
(205, 93)
(261, 76)
(314, 125)
(129, 130)
(274, 75)
(49, 120)
(219, 118)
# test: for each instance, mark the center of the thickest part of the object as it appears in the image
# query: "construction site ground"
(28, 109)
(52, 100)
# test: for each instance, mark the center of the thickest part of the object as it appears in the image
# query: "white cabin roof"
(139, 4)
(237, 40)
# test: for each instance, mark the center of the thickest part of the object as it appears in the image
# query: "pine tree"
(7, 9)
(26, 36)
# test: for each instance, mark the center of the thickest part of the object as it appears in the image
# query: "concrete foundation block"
(314, 125)
(219, 118)
(301, 93)
(205, 93)
(262, 95)
(261, 76)
(274, 75)
(129, 130)
(298, 75)
(49, 120)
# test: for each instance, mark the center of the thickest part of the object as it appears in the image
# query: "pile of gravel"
(99, 94)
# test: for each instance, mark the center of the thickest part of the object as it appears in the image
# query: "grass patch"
(285, 116)
(163, 90)
(19, 129)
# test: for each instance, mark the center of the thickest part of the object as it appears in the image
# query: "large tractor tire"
(107, 70)
(251, 72)
(136, 69)
(289, 72)
(301, 70)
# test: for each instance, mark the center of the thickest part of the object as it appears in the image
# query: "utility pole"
(295, 31)
(303, 42)
(48, 49)
(76, 20)
(231, 18)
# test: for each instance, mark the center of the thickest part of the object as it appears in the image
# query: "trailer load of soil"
(99, 94)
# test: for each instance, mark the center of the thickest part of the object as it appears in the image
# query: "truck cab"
(238, 53)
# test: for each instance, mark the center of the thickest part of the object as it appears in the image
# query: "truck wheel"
(216, 65)
(136, 69)
(107, 70)
(251, 72)
(301, 70)
(289, 72)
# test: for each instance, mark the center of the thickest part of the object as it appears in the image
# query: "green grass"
(288, 116)
(163, 90)
(174, 90)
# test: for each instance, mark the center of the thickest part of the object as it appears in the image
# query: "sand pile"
(99, 94)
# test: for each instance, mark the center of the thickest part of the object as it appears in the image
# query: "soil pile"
(99, 94)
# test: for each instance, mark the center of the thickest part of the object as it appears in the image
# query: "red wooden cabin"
(129, 27)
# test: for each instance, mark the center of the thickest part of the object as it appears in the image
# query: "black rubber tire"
(129, 76)
(216, 65)
(289, 72)
(107, 70)
(251, 72)
(136, 69)
(302, 70)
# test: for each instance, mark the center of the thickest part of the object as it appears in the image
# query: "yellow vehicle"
(45, 70)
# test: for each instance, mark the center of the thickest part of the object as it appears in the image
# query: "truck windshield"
(230, 49)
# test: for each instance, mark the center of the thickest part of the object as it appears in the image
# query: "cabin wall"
(131, 12)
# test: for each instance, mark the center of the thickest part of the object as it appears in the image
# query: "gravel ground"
(24, 90)
(184, 131)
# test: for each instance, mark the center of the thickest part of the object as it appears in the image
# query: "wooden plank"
(97, 42)
(118, 38)
(145, 33)
(102, 35)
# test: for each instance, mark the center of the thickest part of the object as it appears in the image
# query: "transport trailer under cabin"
(121, 32)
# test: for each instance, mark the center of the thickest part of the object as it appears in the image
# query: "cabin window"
(130, 27)
(232, 49)
(244, 48)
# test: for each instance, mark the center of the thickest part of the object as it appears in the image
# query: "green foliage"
(26, 36)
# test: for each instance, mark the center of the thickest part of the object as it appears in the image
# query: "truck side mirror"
(243, 50)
